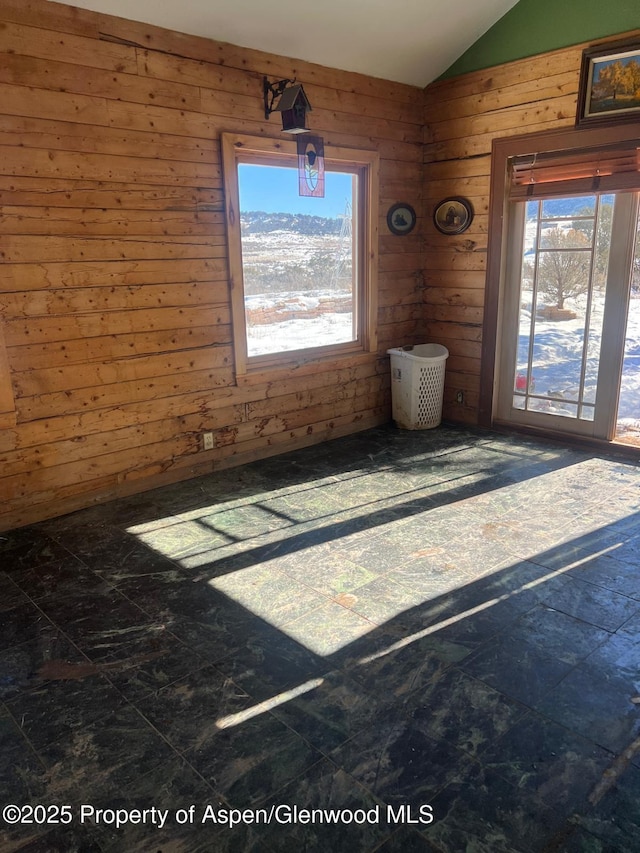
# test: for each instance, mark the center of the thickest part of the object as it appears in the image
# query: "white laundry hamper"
(417, 385)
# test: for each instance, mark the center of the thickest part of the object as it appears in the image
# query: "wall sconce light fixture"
(290, 101)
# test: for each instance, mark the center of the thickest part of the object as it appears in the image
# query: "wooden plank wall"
(462, 117)
(114, 296)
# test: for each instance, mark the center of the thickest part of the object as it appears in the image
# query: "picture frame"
(401, 219)
(453, 215)
(609, 84)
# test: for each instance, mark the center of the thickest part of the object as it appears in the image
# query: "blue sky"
(275, 190)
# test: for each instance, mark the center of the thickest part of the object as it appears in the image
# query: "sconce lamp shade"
(294, 105)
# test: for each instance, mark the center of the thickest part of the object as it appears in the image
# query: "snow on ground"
(557, 357)
(295, 334)
(557, 353)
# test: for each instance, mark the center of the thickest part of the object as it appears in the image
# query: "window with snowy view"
(303, 269)
(299, 268)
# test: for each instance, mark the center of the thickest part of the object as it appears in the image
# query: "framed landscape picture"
(610, 83)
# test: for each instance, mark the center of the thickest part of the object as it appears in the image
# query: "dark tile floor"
(393, 625)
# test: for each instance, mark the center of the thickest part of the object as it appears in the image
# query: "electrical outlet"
(207, 440)
(460, 397)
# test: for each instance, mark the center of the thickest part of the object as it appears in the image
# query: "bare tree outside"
(563, 265)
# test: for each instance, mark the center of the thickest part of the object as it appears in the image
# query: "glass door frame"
(503, 149)
(617, 292)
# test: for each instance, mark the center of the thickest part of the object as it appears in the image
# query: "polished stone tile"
(451, 615)
(36, 661)
(146, 591)
(58, 578)
(98, 622)
(170, 595)
(463, 711)
(10, 593)
(471, 625)
(578, 550)
(564, 637)
(212, 636)
(611, 574)
(199, 536)
(169, 787)
(195, 709)
(60, 840)
(29, 547)
(22, 772)
(590, 603)
(439, 525)
(310, 504)
(607, 715)
(22, 623)
(406, 664)
(522, 584)
(549, 761)
(146, 663)
(121, 512)
(97, 760)
(631, 628)
(246, 522)
(269, 664)
(329, 709)
(269, 594)
(400, 764)
(324, 570)
(415, 610)
(191, 523)
(615, 818)
(325, 786)
(250, 762)
(56, 708)
(577, 840)
(382, 599)
(628, 551)
(328, 629)
(518, 669)
(493, 815)
(374, 553)
(114, 554)
(431, 573)
(617, 661)
(406, 841)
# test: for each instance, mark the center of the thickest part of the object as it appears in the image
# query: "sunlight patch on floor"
(317, 571)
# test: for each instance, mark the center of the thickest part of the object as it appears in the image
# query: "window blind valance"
(575, 171)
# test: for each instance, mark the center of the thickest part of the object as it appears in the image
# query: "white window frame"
(503, 153)
(621, 245)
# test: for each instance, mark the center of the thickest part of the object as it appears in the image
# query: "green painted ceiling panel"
(538, 26)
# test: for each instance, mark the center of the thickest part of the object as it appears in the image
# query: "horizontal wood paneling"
(114, 292)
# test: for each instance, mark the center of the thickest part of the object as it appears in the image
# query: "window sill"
(304, 366)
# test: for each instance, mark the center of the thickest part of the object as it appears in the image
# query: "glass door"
(565, 313)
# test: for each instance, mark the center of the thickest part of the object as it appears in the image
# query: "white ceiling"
(410, 41)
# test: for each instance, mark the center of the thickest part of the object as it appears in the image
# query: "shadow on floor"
(436, 633)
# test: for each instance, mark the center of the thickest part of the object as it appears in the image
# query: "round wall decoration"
(401, 218)
(453, 215)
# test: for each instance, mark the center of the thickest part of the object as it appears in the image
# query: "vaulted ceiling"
(409, 41)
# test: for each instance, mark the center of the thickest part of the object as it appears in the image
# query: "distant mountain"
(572, 206)
(259, 222)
